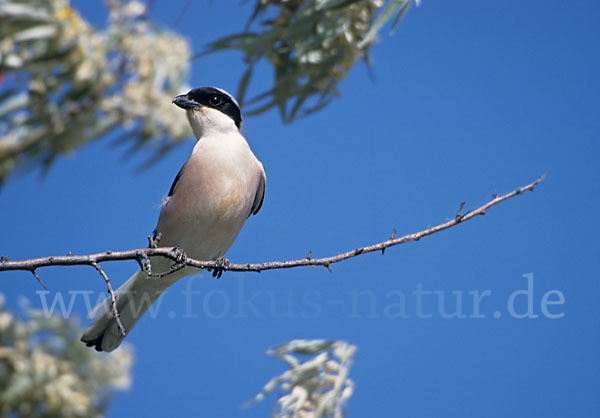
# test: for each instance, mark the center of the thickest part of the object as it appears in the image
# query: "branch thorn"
(38, 279)
(153, 241)
(391, 238)
(458, 216)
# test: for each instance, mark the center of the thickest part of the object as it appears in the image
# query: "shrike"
(220, 185)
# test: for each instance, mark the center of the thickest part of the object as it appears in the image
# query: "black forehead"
(228, 106)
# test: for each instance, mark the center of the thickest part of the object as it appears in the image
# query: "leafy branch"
(310, 45)
(64, 82)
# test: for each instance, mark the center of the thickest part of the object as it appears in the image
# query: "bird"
(220, 185)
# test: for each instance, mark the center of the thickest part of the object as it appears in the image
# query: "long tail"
(134, 298)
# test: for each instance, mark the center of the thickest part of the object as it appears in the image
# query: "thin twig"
(182, 13)
(113, 299)
(459, 210)
(38, 279)
(175, 254)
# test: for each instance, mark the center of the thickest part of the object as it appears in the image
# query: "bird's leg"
(222, 264)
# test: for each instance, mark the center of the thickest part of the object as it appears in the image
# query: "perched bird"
(220, 185)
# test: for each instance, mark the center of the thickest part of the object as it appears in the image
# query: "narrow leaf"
(388, 11)
(243, 86)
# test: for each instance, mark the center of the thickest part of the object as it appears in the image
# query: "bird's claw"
(221, 265)
(180, 255)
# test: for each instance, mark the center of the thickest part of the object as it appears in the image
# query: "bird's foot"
(180, 262)
(222, 264)
(180, 256)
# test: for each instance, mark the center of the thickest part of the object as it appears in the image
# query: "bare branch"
(180, 259)
(113, 299)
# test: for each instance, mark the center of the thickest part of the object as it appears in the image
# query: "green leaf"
(297, 106)
(261, 109)
(16, 11)
(399, 16)
(336, 4)
(14, 103)
(385, 15)
(35, 33)
(243, 85)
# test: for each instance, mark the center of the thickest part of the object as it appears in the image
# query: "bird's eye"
(215, 100)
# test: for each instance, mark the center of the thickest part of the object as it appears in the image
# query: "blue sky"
(468, 99)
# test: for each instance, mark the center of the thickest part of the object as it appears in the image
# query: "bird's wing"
(260, 194)
(177, 177)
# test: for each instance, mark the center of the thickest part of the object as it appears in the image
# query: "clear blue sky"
(470, 98)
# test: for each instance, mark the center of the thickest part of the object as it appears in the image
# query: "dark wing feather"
(177, 177)
(260, 195)
(172, 190)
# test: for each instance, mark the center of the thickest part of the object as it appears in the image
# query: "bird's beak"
(185, 103)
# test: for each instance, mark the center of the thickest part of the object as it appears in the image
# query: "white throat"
(206, 121)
